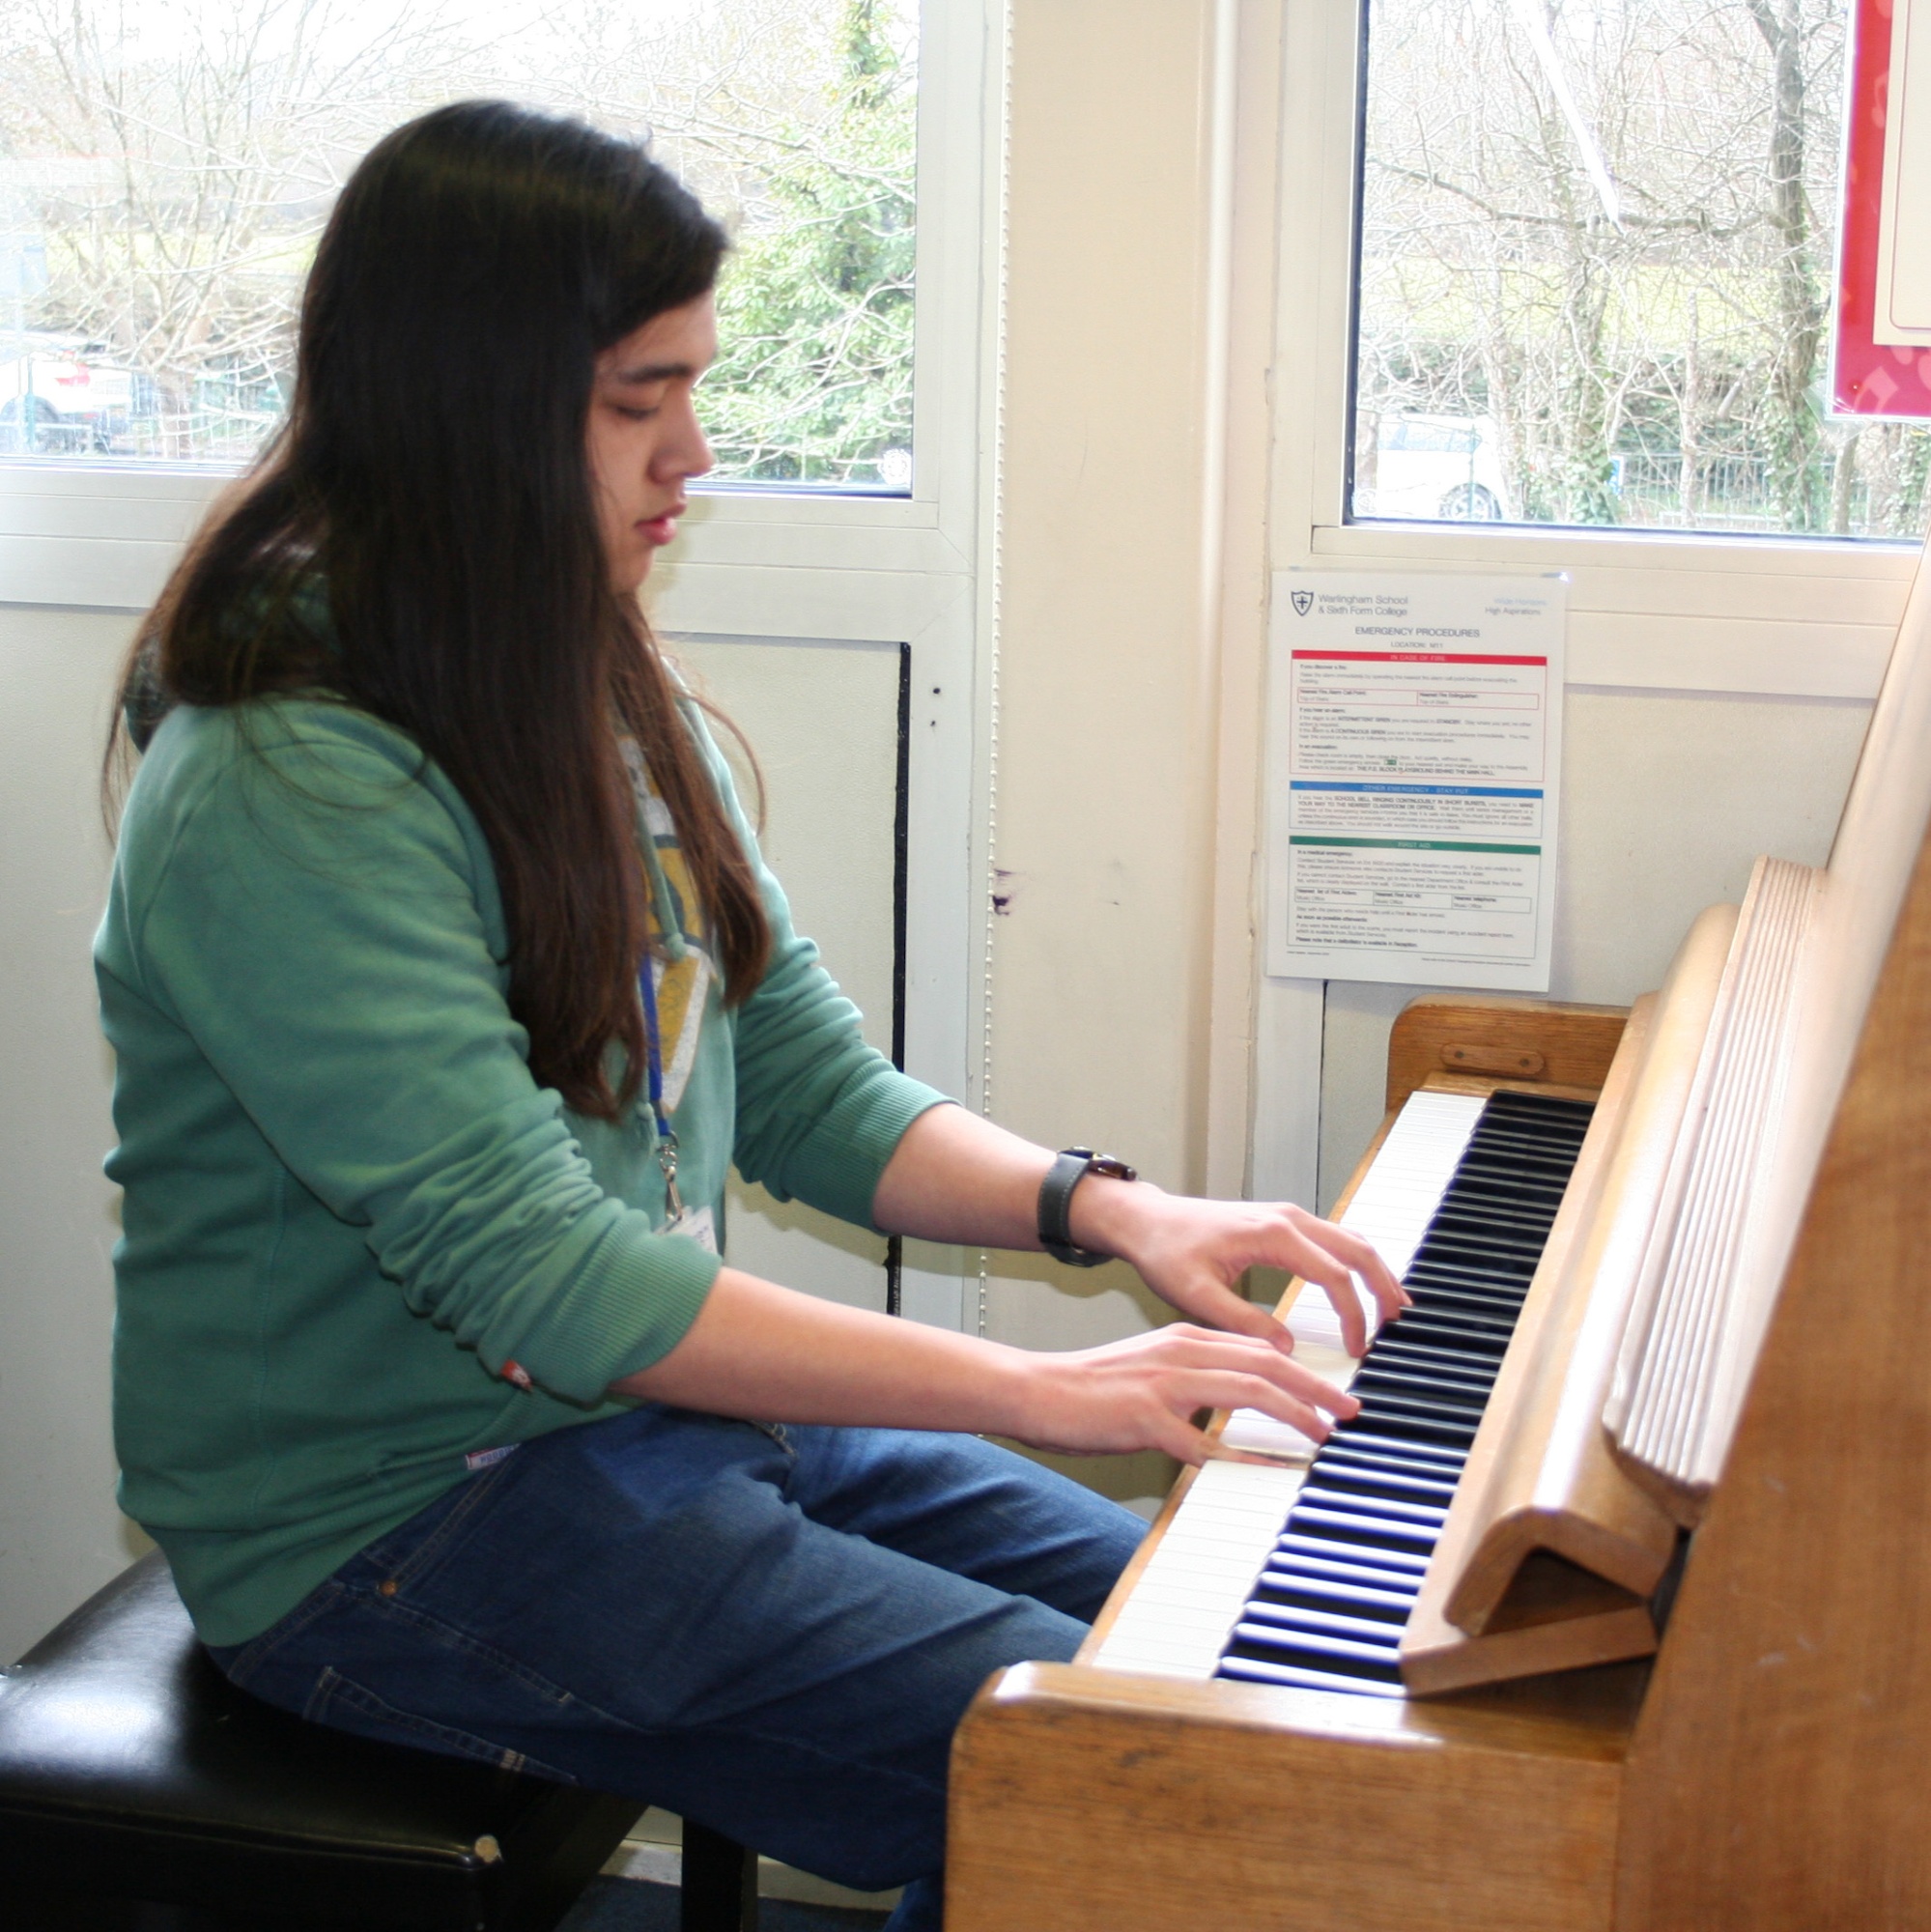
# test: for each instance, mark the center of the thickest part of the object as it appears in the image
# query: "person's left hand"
(1191, 1252)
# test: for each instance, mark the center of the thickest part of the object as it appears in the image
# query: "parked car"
(63, 397)
(1430, 466)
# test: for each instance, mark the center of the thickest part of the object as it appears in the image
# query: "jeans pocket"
(344, 1705)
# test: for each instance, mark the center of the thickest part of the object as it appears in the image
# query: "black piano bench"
(141, 1791)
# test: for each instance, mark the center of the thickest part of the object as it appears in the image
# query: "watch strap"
(1071, 1166)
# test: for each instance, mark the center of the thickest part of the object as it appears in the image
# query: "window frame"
(1662, 610)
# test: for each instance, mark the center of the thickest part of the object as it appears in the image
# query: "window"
(796, 125)
(1596, 260)
(165, 171)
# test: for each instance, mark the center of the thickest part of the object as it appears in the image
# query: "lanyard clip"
(667, 1159)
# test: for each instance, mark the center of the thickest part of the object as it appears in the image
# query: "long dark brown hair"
(431, 481)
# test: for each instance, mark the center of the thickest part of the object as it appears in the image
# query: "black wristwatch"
(1056, 1200)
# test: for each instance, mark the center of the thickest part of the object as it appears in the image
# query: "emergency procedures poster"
(1417, 752)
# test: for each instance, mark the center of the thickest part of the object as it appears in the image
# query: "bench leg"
(720, 1882)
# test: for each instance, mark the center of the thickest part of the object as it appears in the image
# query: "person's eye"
(634, 413)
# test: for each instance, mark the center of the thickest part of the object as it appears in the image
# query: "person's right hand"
(1143, 1393)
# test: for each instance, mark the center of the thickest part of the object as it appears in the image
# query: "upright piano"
(1613, 1608)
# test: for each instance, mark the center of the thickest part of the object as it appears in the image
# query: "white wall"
(60, 1533)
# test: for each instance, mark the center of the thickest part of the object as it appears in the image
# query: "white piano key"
(1397, 1199)
(1177, 1618)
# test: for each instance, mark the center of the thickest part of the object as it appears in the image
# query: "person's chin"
(628, 580)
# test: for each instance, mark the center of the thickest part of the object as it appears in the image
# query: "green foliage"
(813, 383)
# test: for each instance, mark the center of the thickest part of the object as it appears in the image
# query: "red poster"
(1868, 379)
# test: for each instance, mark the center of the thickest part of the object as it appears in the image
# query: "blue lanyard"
(666, 1141)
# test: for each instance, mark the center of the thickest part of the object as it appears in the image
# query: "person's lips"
(661, 528)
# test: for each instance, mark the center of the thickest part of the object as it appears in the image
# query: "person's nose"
(686, 451)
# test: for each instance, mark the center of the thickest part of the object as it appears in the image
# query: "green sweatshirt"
(348, 1204)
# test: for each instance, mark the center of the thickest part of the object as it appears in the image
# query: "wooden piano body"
(1765, 1767)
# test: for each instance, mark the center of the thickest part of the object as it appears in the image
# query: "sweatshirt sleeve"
(320, 926)
(819, 1111)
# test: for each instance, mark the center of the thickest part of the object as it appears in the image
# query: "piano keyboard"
(1303, 1571)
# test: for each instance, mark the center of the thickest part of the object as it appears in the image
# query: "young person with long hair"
(445, 982)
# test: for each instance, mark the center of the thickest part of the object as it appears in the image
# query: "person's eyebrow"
(654, 372)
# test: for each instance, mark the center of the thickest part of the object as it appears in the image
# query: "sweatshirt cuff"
(849, 1150)
(645, 1304)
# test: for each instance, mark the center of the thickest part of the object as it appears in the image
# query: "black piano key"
(1424, 1482)
(1377, 1659)
(1280, 1581)
(1351, 1527)
(1476, 1334)
(1394, 1508)
(1259, 1670)
(1423, 1387)
(1328, 1609)
(1381, 1455)
(1513, 1186)
(1511, 1194)
(1454, 1268)
(1392, 1416)
(1519, 1199)
(1480, 1293)
(1446, 1328)
(1405, 1345)
(1372, 1631)
(1356, 1480)
(1297, 1556)
(1500, 1268)
(1428, 1422)
(1450, 1264)
(1473, 1373)
(1468, 1288)
(1542, 1130)
(1328, 1561)
(1377, 1497)
(1544, 1113)
(1494, 1234)
(1512, 1145)
(1351, 1439)
(1367, 1600)
(1292, 1546)
(1388, 1595)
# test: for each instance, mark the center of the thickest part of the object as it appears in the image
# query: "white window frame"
(758, 563)
(1648, 610)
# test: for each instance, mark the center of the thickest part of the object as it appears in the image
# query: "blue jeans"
(770, 1630)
